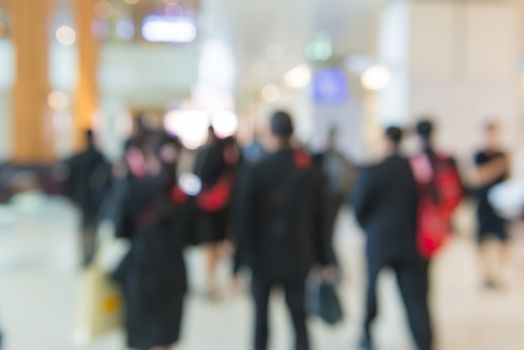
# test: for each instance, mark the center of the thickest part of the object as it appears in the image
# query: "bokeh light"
(376, 78)
(298, 77)
(58, 100)
(225, 123)
(190, 126)
(270, 93)
(66, 35)
(104, 9)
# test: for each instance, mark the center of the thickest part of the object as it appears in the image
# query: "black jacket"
(385, 201)
(279, 217)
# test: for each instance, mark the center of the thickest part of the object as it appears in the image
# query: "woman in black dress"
(153, 274)
(216, 165)
(492, 167)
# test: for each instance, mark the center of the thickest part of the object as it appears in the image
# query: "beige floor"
(39, 282)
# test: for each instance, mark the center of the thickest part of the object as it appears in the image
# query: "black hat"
(281, 124)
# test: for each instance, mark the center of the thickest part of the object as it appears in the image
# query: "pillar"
(86, 93)
(31, 124)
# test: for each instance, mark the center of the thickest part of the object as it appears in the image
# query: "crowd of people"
(277, 204)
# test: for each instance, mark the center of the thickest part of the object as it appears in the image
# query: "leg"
(261, 294)
(487, 253)
(88, 240)
(371, 300)
(296, 302)
(413, 281)
(213, 260)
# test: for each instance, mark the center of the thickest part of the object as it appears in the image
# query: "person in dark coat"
(492, 166)
(216, 165)
(153, 273)
(87, 184)
(339, 176)
(385, 203)
(280, 231)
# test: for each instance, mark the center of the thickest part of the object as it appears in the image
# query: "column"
(86, 93)
(31, 124)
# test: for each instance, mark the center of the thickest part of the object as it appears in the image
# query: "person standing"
(492, 166)
(153, 273)
(87, 184)
(385, 202)
(216, 165)
(280, 230)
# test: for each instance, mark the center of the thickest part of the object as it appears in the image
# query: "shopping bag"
(324, 301)
(100, 306)
(100, 300)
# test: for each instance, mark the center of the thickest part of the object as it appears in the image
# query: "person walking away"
(280, 229)
(385, 202)
(87, 184)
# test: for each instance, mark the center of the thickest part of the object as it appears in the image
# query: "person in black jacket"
(280, 228)
(385, 203)
(153, 273)
(87, 184)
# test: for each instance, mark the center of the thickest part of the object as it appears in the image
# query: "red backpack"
(440, 193)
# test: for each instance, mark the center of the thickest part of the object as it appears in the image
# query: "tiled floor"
(39, 282)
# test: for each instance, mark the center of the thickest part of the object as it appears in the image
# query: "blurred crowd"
(270, 207)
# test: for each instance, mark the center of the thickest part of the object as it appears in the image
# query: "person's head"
(211, 134)
(425, 130)
(89, 137)
(281, 129)
(492, 135)
(392, 140)
(332, 139)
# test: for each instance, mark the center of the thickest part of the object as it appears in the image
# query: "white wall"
(464, 68)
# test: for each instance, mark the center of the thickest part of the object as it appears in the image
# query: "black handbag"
(324, 302)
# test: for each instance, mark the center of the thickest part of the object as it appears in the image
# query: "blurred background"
(180, 65)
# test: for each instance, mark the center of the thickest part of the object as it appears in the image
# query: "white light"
(190, 184)
(225, 123)
(66, 35)
(169, 29)
(58, 100)
(298, 77)
(190, 126)
(274, 52)
(376, 78)
(125, 29)
(270, 93)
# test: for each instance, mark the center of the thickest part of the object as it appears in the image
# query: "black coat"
(153, 274)
(88, 180)
(279, 218)
(385, 201)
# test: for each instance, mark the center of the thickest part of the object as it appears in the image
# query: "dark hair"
(281, 124)
(394, 134)
(425, 129)
(89, 136)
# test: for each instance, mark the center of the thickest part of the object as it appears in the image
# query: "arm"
(489, 172)
(364, 196)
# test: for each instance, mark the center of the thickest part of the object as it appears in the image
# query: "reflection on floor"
(39, 281)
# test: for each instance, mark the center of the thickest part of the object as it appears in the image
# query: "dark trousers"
(413, 282)
(295, 299)
(88, 232)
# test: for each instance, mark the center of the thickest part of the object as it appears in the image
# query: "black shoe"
(366, 344)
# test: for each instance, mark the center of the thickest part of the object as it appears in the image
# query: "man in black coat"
(385, 202)
(87, 186)
(280, 228)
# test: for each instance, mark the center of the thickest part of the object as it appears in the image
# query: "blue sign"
(331, 87)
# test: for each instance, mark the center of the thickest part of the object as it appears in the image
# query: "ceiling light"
(376, 78)
(169, 29)
(298, 77)
(66, 35)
